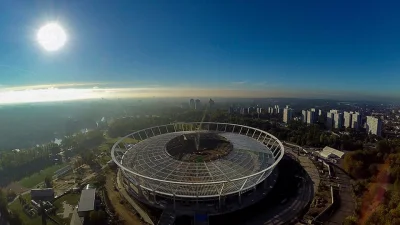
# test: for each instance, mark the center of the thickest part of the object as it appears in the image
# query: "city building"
(260, 110)
(347, 119)
(287, 115)
(304, 116)
(270, 110)
(319, 112)
(374, 126)
(197, 104)
(329, 120)
(243, 111)
(338, 120)
(191, 103)
(355, 121)
(276, 109)
(230, 110)
(249, 110)
(310, 116)
(211, 103)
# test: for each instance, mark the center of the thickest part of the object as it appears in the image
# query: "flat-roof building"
(45, 194)
(329, 152)
(86, 202)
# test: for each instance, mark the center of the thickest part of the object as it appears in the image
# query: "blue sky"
(324, 47)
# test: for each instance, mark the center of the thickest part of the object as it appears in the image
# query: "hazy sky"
(282, 48)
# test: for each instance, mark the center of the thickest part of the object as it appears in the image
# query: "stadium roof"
(254, 155)
(86, 202)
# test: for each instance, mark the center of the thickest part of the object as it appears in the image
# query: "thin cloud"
(238, 82)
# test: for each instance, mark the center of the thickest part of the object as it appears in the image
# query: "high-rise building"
(329, 120)
(211, 103)
(310, 116)
(304, 116)
(374, 126)
(319, 112)
(277, 109)
(355, 121)
(249, 110)
(270, 110)
(191, 103)
(230, 110)
(197, 104)
(243, 111)
(338, 120)
(347, 116)
(287, 115)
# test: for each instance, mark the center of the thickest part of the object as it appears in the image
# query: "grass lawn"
(36, 178)
(71, 199)
(109, 142)
(16, 208)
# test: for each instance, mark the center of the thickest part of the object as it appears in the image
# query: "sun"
(51, 37)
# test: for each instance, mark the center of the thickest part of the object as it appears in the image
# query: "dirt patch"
(125, 213)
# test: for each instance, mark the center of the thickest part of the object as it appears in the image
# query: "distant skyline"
(311, 49)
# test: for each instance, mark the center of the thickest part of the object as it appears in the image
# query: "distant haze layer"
(68, 92)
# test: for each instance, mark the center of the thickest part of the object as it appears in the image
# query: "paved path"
(138, 209)
(287, 212)
(308, 166)
(291, 209)
(347, 204)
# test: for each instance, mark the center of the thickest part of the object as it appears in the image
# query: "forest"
(377, 175)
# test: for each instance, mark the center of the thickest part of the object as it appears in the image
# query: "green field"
(36, 178)
(71, 199)
(16, 208)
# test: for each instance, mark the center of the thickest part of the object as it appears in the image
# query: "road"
(126, 214)
(127, 197)
(285, 213)
(347, 204)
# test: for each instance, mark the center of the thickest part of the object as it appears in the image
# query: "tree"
(97, 217)
(350, 220)
(100, 180)
(48, 182)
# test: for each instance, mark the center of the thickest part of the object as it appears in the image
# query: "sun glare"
(51, 37)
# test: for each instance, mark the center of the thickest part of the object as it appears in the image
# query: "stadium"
(198, 168)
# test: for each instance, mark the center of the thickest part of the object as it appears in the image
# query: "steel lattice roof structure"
(148, 165)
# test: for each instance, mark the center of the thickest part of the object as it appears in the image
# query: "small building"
(86, 202)
(45, 194)
(329, 152)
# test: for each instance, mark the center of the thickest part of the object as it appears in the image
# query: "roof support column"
(240, 191)
(219, 196)
(259, 136)
(140, 136)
